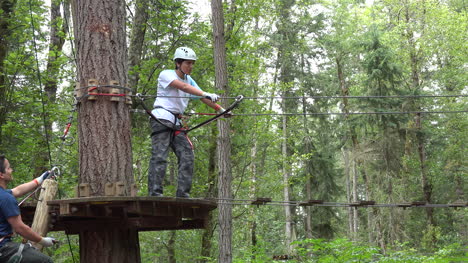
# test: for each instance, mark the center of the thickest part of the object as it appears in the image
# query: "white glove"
(48, 241)
(41, 178)
(226, 115)
(211, 96)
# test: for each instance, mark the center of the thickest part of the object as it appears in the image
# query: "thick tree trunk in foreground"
(104, 125)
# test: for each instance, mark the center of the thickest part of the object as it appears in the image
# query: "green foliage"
(343, 250)
(390, 48)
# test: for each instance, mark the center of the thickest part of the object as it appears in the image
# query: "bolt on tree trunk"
(103, 125)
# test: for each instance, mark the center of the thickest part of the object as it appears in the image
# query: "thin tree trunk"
(57, 40)
(348, 189)
(370, 218)
(56, 43)
(253, 194)
(425, 182)
(224, 141)
(207, 235)
(416, 83)
(355, 194)
(171, 250)
(137, 38)
(355, 162)
(286, 194)
(286, 77)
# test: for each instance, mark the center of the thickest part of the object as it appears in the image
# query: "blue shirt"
(8, 208)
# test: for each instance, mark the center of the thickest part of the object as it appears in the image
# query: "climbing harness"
(186, 130)
(18, 256)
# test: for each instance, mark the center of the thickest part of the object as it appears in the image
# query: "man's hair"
(2, 163)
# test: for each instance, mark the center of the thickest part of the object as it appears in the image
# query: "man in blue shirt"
(10, 219)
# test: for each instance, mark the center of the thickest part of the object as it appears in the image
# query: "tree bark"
(171, 251)
(286, 77)
(103, 125)
(207, 235)
(224, 142)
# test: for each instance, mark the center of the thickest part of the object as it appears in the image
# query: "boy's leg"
(183, 149)
(160, 140)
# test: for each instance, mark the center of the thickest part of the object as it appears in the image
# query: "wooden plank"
(41, 219)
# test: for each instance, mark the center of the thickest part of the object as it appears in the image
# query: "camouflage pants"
(162, 139)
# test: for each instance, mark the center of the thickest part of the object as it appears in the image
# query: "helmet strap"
(180, 69)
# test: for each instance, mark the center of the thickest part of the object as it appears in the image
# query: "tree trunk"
(207, 235)
(355, 194)
(415, 62)
(286, 60)
(425, 182)
(286, 195)
(103, 125)
(224, 142)
(57, 39)
(348, 189)
(136, 41)
(56, 42)
(171, 251)
(252, 196)
(351, 182)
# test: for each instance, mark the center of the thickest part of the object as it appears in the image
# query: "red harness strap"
(186, 136)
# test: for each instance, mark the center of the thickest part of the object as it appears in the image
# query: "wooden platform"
(143, 213)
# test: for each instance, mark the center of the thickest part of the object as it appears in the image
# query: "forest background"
(345, 101)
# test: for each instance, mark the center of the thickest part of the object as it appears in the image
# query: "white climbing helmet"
(185, 53)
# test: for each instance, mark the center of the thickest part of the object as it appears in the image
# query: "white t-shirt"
(175, 105)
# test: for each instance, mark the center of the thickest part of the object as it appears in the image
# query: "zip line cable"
(361, 203)
(349, 113)
(330, 97)
(325, 113)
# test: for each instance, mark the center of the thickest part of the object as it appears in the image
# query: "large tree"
(104, 125)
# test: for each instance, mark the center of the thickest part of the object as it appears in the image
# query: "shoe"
(183, 195)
